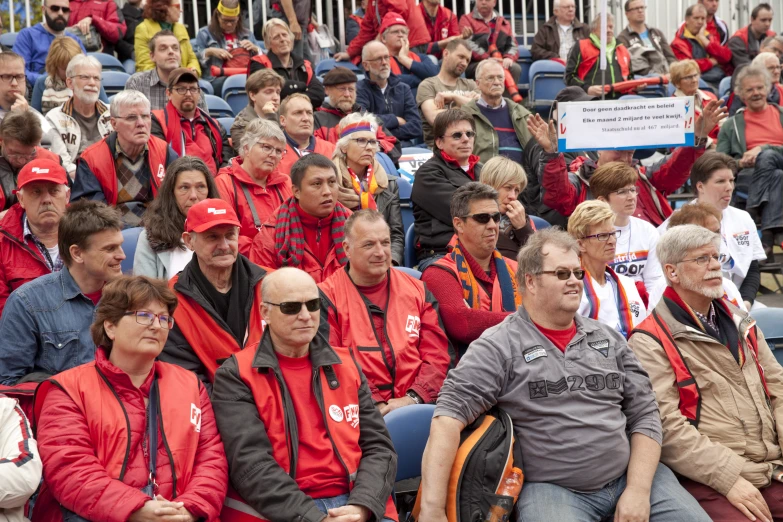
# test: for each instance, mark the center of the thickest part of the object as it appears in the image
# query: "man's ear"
(670, 272)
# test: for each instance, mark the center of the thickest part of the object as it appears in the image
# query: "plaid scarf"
(470, 286)
(289, 234)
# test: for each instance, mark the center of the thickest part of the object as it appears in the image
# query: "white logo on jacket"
(195, 417)
(161, 172)
(352, 414)
(336, 413)
(412, 325)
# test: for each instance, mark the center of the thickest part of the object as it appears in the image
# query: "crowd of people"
(243, 368)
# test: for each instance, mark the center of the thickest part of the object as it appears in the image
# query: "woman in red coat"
(93, 431)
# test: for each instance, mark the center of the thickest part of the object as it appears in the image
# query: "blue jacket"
(206, 40)
(32, 44)
(46, 328)
(418, 72)
(396, 101)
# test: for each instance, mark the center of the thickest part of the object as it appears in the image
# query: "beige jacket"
(736, 434)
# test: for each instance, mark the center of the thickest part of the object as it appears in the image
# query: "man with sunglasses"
(219, 293)
(473, 282)
(582, 407)
(301, 431)
(388, 319)
(186, 127)
(717, 384)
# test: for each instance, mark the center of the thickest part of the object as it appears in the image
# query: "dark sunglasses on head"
(294, 307)
(484, 217)
(564, 274)
(57, 9)
(458, 135)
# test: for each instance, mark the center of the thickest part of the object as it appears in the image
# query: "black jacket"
(511, 239)
(546, 44)
(434, 184)
(254, 472)
(133, 17)
(295, 78)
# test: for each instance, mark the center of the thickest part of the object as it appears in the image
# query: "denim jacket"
(45, 328)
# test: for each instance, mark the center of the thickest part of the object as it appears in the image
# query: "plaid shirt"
(27, 234)
(150, 85)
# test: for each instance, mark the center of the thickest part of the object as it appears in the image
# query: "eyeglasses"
(458, 135)
(386, 58)
(268, 149)
(294, 307)
(8, 78)
(186, 90)
(484, 217)
(564, 274)
(640, 9)
(133, 118)
(365, 142)
(626, 191)
(19, 158)
(690, 77)
(147, 318)
(702, 260)
(57, 9)
(87, 77)
(605, 235)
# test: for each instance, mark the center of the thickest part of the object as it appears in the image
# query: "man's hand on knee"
(633, 506)
(747, 498)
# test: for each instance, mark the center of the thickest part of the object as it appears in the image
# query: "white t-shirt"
(608, 310)
(635, 257)
(178, 260)
(54, 254)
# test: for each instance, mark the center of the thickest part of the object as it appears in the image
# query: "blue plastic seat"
(206, 87)
(409, 256)
(226, 122)
(770, 322)
(130, 66)
(631, 97)
(525, 61)
(723, 88)
(218, 107)
(108, 62)
(324, 66)
(405, 189)
(8, 39)
(547, 78)
(130, 238)
(410, 271)
(114, 81)
(234, 92)
(540, 223)
(415, 150)
(409, 429)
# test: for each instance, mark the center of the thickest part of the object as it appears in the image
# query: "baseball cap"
(41, 170)
(392, 19)
(210, 213)
(182, 73)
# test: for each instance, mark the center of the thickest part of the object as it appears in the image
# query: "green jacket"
(487, 141)
(731, 138)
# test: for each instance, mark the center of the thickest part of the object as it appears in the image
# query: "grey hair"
(365, 51)
(673, 246)
(595, 25)
(752, 71)
(366, 214)
(257, 130)
(81, 60)
(483, 64)
(127, 98)
(272, 22)
(761, 60)
(466, 194)
(530, 259)
(354, 117)
(555, 4)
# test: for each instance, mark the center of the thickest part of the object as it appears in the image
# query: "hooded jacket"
(444, 26)
(371, 24)
(69, 130)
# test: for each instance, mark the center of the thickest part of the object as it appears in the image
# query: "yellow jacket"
(144, 33)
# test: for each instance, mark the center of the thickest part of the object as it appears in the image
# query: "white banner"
(626, 124)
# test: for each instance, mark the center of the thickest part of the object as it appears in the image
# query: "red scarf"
(176, 138)
(472, 160)
(365, 195)
(289, 234)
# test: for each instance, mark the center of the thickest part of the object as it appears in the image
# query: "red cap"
(210, 213)
(41, 170)
(392, 19)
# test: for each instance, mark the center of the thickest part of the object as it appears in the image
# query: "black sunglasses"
(564, 274)
(458, 135)
(57, 9)
(294, 307)
(484, 217)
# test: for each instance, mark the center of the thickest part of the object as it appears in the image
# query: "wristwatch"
(415, 396)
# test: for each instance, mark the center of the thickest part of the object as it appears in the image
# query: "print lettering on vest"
(161, 172)
(336, 413)
(352, 415)
(195, 417)
(69, 138)
(531, 354)
(636, 309)
(601, 346)
(412, 325)
(594, 382)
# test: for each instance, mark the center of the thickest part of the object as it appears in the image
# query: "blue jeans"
(669, 502)
(766, 189)
(325, 504)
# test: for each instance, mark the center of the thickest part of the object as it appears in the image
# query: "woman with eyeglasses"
(224, 43)
(252, 182)
(608, 297)
(160, 252)
(685, 76)
(363, 181)
(160, 15)
(126, 437)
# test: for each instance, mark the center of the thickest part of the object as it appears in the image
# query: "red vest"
(496, 303)
(690, 396)
(264, 60)
(290, 157)
(742, 34)
(590, 55)
(215, 140)
(211, 343)
(395, 65)
(401, 328)
(344, 434)
(100, 160)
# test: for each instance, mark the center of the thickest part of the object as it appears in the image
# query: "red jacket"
(371, 24)
(20, 260)
(105, 18)
(232, 181)
(8, 177)
(289, 158)
(415, 352)
(446, 25)
(264, 253)
(502, 36)
(91, 431)
(564, 191)
(204, 141)
(683, 50)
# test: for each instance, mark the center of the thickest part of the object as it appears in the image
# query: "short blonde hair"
(681, 69)
(500, 170)
(295, 96)
(61, 52)
(588, 214)
(272, 22)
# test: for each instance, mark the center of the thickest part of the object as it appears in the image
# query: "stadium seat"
(8, 39)
(409, 256)
(410, 271)
(108, 62)
(546, 80)
(218, 107)
(540, 223)
(725, 85)
(525, 60)
(405, 189)
(206, 87)
(631, 97)
(415, 150)
(770, 322)
(324, 66)
(130, 66)
(114, 81)
(409, 429)
(704, 86)
(226, 122)
(130, 237)
(234, 92)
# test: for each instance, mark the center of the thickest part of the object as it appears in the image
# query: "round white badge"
(336, 413)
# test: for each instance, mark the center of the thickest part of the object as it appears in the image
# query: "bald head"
(280, 283)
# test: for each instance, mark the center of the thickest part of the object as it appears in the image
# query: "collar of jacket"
(475, 14)
(277, 64)
(100, 107)
(391, 82)
(321, 354)
(70, 287)
(239, 172)
(186, 286)
(12, 222)
(742, 320)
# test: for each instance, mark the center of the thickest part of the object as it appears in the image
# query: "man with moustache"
(83, 119)
(717, 384)
(32, 43)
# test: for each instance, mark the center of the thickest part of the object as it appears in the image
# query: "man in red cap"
(28, 231)
(219, 294)
(411, 67)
